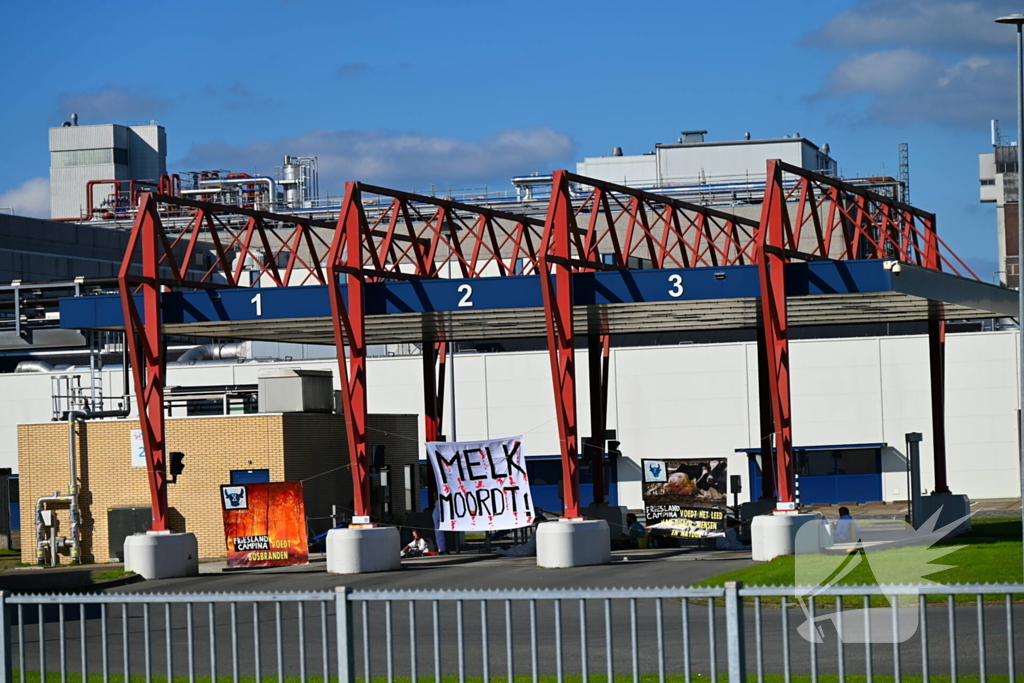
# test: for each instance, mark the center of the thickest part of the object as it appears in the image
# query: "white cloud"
(956, 25)
(907, 85)
(403, 160)
(880, 72)
(110, 104)
(31, 198)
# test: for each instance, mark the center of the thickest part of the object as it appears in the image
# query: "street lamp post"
(1018, 21)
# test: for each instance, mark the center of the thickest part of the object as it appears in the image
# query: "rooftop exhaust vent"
(692, 136)
(616, 151)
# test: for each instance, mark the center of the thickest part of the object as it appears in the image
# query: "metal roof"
(619, 302)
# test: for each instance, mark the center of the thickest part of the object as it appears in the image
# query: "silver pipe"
(262, 180)
(1020, 225)
(237, 350)
(73, 486)
(92, 376)
(41, 541)
(33, 366)
(125, 388)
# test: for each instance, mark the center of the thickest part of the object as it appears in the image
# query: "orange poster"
(265, 524)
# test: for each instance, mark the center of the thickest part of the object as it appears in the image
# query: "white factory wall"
(687, 401)
(147, 152)
(710, 160)
(735, 159)
(632, 169)
(68, 187)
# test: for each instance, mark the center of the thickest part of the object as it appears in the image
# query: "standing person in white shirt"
(846, 530)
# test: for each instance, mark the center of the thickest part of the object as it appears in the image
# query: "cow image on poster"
(690, 477)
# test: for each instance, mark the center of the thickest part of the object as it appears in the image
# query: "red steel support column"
(350, 335)
(767, 424)
(557, 291)
(433, 400)
(771, 264)
(937, 367)
(598, 352)
(145, 345)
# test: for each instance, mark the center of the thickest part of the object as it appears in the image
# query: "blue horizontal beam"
(494, 293)
(838, 447)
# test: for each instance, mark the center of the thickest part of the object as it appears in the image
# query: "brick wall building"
(307, 447)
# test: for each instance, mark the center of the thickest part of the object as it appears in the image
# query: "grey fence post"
(6, 654)
(735, 647)
(346, 644)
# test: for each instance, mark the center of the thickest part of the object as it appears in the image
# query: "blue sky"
(470, 93)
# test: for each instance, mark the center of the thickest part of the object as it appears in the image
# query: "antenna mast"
(904, 172)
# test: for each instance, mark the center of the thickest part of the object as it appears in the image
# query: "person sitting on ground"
(731, 539)
(846, 530)
(417, 547)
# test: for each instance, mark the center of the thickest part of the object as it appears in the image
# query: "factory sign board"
(138, 449)
(264, 524)
(685, 498)
(481, 485)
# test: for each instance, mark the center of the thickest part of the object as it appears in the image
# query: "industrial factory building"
(857, 388)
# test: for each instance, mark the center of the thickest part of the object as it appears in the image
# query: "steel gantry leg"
(937, 365)
(598, 352)
(146, 348)
(350, 338)
(771, 266)
(434, 362)
(556, 285)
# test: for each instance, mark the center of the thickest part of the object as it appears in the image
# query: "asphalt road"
(538, 627)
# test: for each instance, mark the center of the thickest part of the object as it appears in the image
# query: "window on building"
(197, 407)
(408, 488)
(89, 157)
(823, 463)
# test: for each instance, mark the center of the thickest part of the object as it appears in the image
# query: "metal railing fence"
(596, 634)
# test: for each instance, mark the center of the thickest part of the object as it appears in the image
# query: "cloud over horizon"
(948, 24)
(400, 159)
(906, 85)
(921, 61)
(110, 103)
(31, 198)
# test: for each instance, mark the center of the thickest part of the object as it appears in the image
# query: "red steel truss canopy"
(614, 259)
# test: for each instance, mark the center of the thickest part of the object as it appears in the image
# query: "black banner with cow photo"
(685, 498)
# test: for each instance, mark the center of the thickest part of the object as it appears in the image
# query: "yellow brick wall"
(213, 446)
(306, 447)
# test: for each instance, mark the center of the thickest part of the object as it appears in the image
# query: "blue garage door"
(832, 474)
(15, 497)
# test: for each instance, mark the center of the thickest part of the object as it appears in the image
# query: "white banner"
(481, 485)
